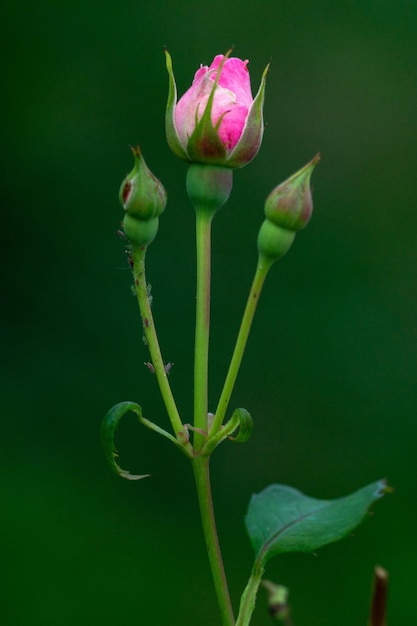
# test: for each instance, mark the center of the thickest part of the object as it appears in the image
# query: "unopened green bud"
(288, 209)
(290, 205)
(274, 241)
(144, 198)
(142, 194)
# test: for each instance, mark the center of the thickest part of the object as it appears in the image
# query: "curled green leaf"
(240, 421)
(108, 429)
(244, 424)
(282, 519)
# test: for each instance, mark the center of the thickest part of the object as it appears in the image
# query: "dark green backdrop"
(330, 371)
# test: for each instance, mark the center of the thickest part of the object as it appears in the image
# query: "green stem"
(253, 299)
(202, 481)
(138, 257)
(248, 599)
(202, 327)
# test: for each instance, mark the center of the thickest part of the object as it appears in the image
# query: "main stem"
(253, 299)
(202, 480)
(203, 242)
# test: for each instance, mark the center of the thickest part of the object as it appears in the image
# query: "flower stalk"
(202, 327)
(262, 269)
(138, 258)
(208, 188)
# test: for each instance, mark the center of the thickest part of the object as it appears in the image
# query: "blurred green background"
(329, 375)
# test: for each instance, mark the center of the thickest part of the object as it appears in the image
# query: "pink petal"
(231, 126)
(192, 103)
(232, 100)
(235, 76)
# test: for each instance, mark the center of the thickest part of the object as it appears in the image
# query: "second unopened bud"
(143, 198)
(288, 208)
(290, 204)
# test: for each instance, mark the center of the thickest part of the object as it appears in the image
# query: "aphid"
(168, 367)
(150, 367)
(148, 291)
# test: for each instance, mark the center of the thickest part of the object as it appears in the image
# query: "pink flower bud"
(217, 120)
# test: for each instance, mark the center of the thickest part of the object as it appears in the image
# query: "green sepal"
(170, 129)
(204, 144)
(282, 519)
(108, 429)
(253, 131)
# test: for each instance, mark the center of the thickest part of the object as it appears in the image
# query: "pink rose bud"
(217, 120)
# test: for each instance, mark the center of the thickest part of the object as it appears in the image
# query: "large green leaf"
(282, 519)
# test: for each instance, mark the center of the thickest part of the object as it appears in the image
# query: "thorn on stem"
(278, 606)
(377, 616)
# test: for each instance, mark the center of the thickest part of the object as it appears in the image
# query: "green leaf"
(282, 519)
(244, 424)
(240, 423)
(204, 143)
(108, 429)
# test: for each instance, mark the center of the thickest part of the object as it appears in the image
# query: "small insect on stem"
(148, 291)
(150, 367)
(168, 367)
